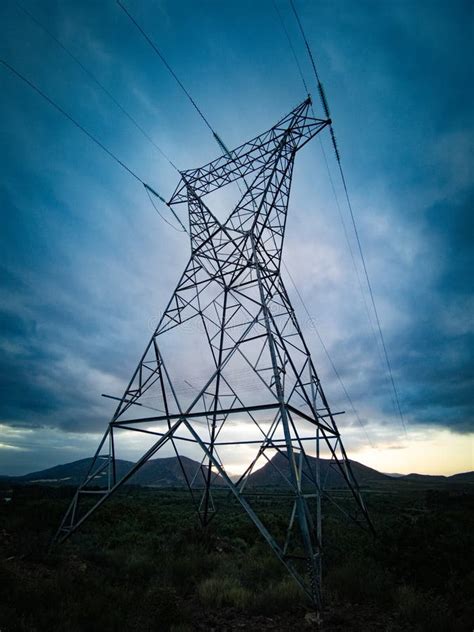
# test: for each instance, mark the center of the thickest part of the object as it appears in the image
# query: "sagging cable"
(91, 137)
(151, 192)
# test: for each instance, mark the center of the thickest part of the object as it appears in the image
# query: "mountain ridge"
(167, 472)
(164, 472)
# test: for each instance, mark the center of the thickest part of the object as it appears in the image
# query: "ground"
(142, 563)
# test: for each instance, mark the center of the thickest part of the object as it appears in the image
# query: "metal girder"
(232, 293)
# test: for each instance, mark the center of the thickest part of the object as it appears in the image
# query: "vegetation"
(142, 563)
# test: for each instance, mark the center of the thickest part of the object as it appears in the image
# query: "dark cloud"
(431, 356)
(87, 266)
(455, 223)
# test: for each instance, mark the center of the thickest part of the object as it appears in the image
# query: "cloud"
(87, 265)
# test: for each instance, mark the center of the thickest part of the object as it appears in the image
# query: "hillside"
(463, 477)
(269, 476)
(167, 472)
(164, 472)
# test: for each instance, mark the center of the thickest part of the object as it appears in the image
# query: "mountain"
(66, 474)
(269, 475)
(164, 472)
(425, 478)
(167, 472)
(463, 477)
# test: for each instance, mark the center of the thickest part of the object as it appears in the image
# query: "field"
(142, 563)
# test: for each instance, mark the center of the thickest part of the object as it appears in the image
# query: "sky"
(87, 265)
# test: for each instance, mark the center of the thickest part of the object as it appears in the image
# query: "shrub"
(159, 608)
(361, 580)
(260, 568)
(217, 592)
(138, 566)
(184, 570)
(423, 612)
(284, 596)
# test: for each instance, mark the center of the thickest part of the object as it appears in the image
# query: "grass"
(143, 564)
(220, 592)
(423, 612)
(361, 579)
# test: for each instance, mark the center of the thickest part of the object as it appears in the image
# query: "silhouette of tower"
(235, 320)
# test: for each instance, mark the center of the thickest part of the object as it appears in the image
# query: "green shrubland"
(143, 563)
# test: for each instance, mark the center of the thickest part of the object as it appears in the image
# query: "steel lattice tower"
(231, 300)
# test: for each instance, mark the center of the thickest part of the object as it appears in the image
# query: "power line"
(224, 148)
(97, 82)
(354, 265)
(71, 119)
(150, 192)
(354, 224)
(91, 137)
(290, 43)
(341, 217)
(338, 375)
(310, 54)
(175, 76)
(372, 298)
(163, 59)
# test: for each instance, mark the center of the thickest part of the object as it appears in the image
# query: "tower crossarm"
(251, 156)
(254, 367)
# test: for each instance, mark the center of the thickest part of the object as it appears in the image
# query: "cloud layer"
(87, 265)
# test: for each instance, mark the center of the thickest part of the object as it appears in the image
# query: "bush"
(361, 580)
(217, 592)
(278, 597)
(284, 596)
(159, 608)
(185, 570)
(423, 612)
(259, 568)
(141, 566)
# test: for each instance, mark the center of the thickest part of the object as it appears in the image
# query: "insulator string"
(353, 220)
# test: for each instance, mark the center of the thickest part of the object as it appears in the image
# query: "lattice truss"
(257, 388)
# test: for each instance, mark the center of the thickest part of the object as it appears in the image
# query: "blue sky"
(87, 265)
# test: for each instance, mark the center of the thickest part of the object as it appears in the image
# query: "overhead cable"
(351, 252)
(325, 106)
(224, 148)
(93, 78)
(305, 85)
(290, 43)
(325, 349)
(91, 137)
(372, 298)
(173, 74)
(151, 192)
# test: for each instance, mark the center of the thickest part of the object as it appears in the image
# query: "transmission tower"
(235, 319)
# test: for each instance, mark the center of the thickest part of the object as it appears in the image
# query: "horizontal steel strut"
(231, 298)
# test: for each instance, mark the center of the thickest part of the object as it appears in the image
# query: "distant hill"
(269, 475)
(425, 478)
(164, 472)
(463, 477)
(167, 472)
